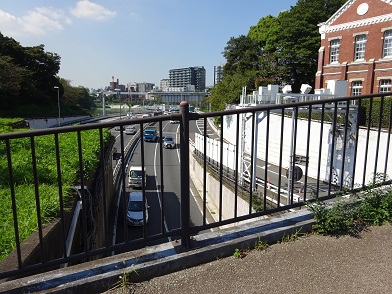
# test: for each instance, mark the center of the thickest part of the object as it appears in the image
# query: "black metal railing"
(282, 155)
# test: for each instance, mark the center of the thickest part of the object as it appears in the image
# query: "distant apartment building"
(356, 47)
(182, 77)
(132, 87)
(164, 84)
(145, 87)
(218, 74)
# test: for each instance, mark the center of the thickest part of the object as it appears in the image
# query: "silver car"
(136, 213)
(168, 142)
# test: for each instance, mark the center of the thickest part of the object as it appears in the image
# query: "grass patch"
(47, 173)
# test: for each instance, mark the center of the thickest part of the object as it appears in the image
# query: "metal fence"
(313, 149)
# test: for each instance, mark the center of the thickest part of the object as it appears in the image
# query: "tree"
(76, 99)
(278, 50)
(12, 77)
(32, 71)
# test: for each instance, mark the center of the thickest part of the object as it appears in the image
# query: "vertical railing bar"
(123, 194)
(356, 143)
(281, 154)
(378, 136)
(344, 145)
(334, 122)
(367, 142)
(237, 142)
(295, 109)
(13, 201)
(320, 149)
(307, 154)
(37, 200)
(184, 170)
(205, 172)
(162, 188)
(220, 170)
(143, 164)
(266, 161)
(104, 204)
(251, 175)
(61, 196)
(388, 139)
(83, 193)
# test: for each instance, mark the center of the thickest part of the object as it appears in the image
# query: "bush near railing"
(354, 212)
(385, 103)
(47, 178)
(363, 113)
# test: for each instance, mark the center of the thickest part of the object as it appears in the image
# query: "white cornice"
(387, 1)
(339, 12)
(359, 23)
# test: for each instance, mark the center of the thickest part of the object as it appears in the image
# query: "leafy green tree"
(12, 77)
(41, 67)
(76, 99)
(277, 50)
(294, 40)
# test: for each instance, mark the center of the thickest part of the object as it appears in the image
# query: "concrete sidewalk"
(312, 264)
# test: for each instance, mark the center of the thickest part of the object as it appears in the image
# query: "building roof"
(357, 13)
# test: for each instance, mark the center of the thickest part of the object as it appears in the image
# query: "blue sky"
(132, 40)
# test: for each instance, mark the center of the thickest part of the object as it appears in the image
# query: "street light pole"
(58, 100)
(118, 93)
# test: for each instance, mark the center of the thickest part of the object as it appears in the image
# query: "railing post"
(184, 169)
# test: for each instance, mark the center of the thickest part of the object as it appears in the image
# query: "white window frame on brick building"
(356, 88)
(334, 48)
(360, 47)
(385, 85)
(387, 46)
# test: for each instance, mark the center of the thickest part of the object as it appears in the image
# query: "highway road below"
(164, 208)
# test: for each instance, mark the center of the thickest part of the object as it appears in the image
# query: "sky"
(132, 40)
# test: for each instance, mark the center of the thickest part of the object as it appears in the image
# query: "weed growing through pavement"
(292, 237)
(260, 245)
(237, 253)
(124, 280)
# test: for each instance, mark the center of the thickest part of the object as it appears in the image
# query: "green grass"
(24, 189)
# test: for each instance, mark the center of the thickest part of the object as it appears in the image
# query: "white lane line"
(157, 190)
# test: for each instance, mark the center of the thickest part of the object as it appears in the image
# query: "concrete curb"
(100, 275)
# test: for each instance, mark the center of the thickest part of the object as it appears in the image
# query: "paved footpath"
(313, 264)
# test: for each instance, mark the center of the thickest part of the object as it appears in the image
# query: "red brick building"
(356, 46)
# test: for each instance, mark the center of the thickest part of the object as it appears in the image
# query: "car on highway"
(150, 134)
(137, 210)
(168, 142)
(135, 177)
(130, 130)
(172, 121)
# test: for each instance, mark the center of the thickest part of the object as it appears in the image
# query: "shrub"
(351, 215)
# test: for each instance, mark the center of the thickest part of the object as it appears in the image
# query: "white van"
(135, 177)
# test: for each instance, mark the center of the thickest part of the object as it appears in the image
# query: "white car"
(130, 130)
(136, 213)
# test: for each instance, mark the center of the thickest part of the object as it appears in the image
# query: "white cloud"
(36, 22)
(90, 10)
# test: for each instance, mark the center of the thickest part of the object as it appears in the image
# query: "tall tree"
(33, 70)
(280, 50)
